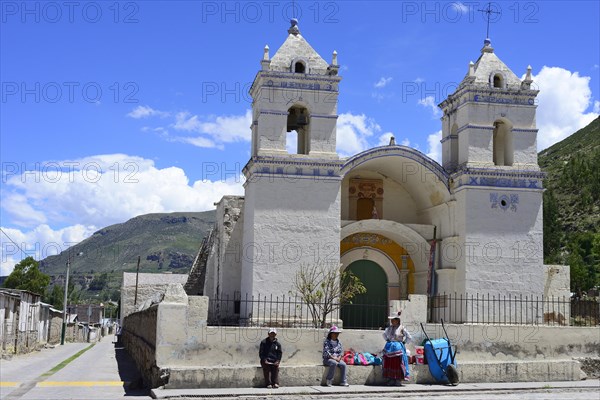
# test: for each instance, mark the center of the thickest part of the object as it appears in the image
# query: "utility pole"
(64, 324)
(137, 275)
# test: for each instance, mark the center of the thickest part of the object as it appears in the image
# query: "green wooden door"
(367, 310)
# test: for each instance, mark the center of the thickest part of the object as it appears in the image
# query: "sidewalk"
(33, 364)
(410, 388)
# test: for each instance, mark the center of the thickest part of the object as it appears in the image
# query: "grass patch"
(64, 363)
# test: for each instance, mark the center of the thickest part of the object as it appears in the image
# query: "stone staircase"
(195, 283)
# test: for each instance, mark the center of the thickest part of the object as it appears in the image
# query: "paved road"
(100, 371)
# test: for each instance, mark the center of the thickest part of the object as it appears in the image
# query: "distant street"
(103, 371)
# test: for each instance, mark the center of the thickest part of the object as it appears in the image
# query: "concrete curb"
(362, 389)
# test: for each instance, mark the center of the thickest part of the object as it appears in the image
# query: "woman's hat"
(334, 329)
(395, 315)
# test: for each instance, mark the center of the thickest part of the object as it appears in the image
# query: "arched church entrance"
(368, 310)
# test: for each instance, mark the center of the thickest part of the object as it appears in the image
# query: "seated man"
(270, 355)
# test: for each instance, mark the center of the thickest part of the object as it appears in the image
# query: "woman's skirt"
(395, 361)
(393, 367)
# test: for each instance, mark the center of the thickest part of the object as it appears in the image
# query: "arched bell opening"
(298, 121)
(503, 151)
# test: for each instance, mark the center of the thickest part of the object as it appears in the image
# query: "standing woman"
(332, 356)
(395, 360)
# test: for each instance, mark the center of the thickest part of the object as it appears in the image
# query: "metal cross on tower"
(489, 13)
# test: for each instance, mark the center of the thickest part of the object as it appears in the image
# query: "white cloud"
(434, 147)
(198, 141)
(110, 188)
(220, 129)
(563, 101)
(102, 190)
(597, 107)
(40, 242)
(460, 7)
(145, 112)
(353, 132)
(383, 82)
(429, 101)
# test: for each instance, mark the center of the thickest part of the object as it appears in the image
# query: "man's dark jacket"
(270, 350)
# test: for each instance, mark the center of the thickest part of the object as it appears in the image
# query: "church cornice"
(497, 177)
(291, 80)
(488, 128)
(292, 166)
(485, 94)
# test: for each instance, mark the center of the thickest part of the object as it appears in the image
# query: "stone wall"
(138, 334)
(150, 288)
(163, 330)
(223, 268)
(55, 329)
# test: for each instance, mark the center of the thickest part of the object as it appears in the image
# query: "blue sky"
(115, 109)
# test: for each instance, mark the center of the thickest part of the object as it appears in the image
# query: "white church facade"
(378, 212)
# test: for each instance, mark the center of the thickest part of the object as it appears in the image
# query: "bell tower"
(489, 148)
(296, 90)
(292, 198)
(490, 120)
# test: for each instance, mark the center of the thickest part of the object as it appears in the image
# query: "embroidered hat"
(334, 329)
(273, 330)
(395, 315)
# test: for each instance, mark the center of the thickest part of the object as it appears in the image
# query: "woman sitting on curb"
(332, 356)
(395, 359)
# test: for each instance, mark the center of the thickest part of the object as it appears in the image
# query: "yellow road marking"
(80, 383)
(9, 384)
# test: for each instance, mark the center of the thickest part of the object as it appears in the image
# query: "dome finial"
(294, 30)
(487, 46)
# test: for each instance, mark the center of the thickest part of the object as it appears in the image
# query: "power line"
(13, 242)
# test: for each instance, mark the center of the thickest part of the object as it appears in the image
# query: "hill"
(164, 242)
(572, 205)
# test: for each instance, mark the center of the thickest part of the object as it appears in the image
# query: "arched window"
(498, 81)
(299, 67)
(298, 120)
(503, 151)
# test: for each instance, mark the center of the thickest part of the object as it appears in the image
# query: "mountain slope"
(572, 206)
(164, 242)
(573, 169)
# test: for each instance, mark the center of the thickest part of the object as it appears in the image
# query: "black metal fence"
(288, 311)
(512, 309)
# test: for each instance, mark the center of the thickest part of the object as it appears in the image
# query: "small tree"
(27, 276)
(325, 289)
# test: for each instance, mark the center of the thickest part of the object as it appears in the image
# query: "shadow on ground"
(134, 385)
